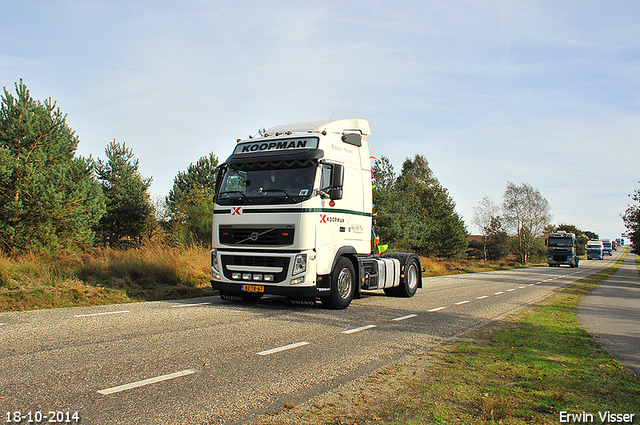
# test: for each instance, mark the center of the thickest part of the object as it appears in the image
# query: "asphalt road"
(205, 361)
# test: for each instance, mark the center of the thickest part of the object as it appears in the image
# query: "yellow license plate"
(253, 288)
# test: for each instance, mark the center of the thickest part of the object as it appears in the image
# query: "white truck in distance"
(293, 215)
(595, 250)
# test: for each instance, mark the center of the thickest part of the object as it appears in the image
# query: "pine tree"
(415, 213)
(49, 199)
(190, 201)
(128, 202)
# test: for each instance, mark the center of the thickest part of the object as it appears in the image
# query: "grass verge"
(448, 266)
(523, 370)
(103, 276)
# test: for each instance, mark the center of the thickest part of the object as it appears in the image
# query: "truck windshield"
(560, 243)
(267, 182)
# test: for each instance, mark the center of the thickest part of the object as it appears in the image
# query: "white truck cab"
(293, 215)
(595, 250)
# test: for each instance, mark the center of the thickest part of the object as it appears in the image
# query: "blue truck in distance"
(607, 247)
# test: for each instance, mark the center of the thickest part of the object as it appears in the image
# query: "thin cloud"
(488, 93)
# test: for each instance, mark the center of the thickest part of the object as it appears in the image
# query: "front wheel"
(343, 285)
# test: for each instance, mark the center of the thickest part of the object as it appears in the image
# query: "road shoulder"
(611, 314)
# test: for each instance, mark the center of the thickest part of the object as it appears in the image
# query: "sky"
(538, 92)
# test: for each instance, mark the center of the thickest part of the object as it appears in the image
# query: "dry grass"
(103, 276)
(448, 266)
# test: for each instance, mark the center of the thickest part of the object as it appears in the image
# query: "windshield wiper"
(283, 191)
(236, 191)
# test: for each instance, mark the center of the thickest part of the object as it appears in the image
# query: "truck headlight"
(214, 260)
(300, 264)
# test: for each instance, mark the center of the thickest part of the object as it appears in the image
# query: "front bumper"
(290, 291)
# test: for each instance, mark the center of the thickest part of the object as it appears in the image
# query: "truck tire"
(412, 276)
(412, 272)
(343, 285)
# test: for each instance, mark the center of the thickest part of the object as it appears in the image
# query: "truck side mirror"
(218, 181)
(337, 180)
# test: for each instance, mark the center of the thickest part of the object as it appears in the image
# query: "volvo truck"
(293, 217)
(561, 249)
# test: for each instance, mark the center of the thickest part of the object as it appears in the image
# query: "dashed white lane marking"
(498, 293)
(361, 328)
(462, 302)
(408, 316)
(144, 382)
(189, 305)
(482, 297)
(436, 309)
(522, 287)
(102, 314)
(512, 289)
(283, 348)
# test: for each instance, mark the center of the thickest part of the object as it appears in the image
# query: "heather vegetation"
(153, 271)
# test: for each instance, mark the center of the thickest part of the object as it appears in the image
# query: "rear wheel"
(412, 277)
(343, 285)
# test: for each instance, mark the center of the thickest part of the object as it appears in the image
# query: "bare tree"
(525, 213)
(631, 219)
(483, 215)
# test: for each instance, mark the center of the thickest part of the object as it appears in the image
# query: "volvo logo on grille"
(254, 236)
